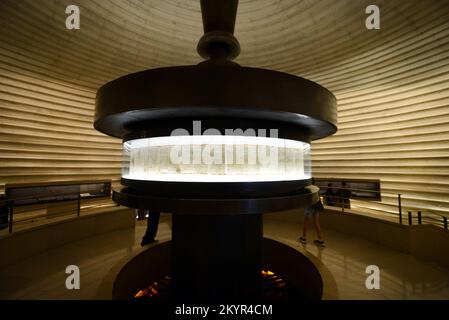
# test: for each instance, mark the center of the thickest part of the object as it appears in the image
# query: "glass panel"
(216, 159)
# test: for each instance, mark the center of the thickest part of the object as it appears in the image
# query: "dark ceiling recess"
(217, 208)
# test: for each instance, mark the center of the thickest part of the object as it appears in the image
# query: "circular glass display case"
(216, 159)
(216, 185)
(199, 165)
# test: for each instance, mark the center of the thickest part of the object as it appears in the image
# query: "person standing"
(152, 226)
(344, 195)
(313, 212)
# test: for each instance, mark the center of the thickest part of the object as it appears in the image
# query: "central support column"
(217, 256)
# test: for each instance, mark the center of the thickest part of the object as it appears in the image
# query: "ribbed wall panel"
(392, 85)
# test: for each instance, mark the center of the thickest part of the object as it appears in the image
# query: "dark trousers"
(152, 226)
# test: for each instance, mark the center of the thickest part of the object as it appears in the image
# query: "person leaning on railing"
(344, 193)
(330, 195)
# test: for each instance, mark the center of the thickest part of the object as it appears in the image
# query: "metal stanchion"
(419, 217)
(400, 208)
(79, 204)
(410, 218)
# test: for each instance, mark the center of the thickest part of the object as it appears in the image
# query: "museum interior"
(274, 150)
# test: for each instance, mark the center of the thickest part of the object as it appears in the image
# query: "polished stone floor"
(401, 276)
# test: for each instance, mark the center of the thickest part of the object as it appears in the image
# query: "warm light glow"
(216, 159)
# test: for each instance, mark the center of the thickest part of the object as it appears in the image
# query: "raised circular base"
(218, 190)
(154, 264)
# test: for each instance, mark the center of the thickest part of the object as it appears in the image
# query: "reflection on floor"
(402, 276)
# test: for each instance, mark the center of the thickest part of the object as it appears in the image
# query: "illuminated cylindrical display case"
(215, 161)
(255, 142)
(217, 145)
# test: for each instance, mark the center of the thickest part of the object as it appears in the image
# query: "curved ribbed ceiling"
(392, 84)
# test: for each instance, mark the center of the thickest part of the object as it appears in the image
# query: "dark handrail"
(343, 203)
(76, 211)
(57, 199)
